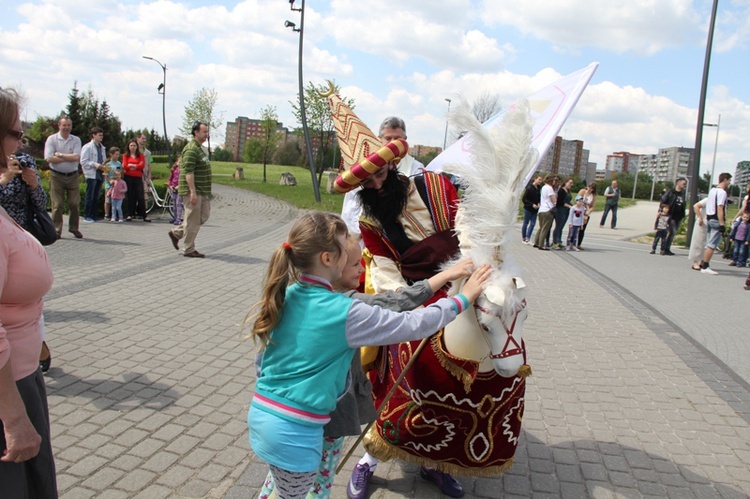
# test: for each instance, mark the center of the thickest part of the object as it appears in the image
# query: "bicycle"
(153, 199)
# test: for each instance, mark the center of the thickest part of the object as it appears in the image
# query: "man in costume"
(407, 226)
(391, 128)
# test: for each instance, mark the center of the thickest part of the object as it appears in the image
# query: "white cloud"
(640, 26)
(436, 32)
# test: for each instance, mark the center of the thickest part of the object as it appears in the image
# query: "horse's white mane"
(501, 158)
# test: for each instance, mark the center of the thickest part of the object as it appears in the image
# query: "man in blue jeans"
(93, 157)
(612, 193)
(716, 208)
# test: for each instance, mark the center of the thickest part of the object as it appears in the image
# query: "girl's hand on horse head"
(462, 268)
(473, 287)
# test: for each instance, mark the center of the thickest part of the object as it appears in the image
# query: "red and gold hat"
(361, 150)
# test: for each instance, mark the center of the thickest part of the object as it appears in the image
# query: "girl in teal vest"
(309, 334)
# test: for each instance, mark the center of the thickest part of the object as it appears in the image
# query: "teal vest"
(306, 364)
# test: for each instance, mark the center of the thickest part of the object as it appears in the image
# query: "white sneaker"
(577, 248)
(708, 270)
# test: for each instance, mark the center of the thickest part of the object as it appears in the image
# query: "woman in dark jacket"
(531, 198)
(563, 209)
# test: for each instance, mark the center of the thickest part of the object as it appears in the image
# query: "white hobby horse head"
(501, 158)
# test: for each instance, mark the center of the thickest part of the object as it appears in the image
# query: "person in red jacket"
(133, 164)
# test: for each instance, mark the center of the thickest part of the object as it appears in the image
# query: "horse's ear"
(520, 283)
(495, 294)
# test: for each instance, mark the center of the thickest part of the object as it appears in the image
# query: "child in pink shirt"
(172, 184)
(117, 193)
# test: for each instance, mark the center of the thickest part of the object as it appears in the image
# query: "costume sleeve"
(407, 298)
(384, 271)
(373, 326)
(351, 211)
(452, 198)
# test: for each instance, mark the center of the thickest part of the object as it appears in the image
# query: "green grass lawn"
(302, 195)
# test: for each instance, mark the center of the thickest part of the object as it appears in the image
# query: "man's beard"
(385, 205)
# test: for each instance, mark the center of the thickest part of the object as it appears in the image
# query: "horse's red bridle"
(511, 347)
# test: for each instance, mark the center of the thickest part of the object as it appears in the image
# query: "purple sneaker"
(357, 488)
(446, 483)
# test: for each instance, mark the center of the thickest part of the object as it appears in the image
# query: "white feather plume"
(501, 158)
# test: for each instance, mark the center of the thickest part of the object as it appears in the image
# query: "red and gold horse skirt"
(445, 413)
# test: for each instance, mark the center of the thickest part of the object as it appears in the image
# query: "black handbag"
(39, 224)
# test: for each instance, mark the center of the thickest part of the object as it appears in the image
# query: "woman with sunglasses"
(27, 468)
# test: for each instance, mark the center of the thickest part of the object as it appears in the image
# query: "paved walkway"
(151, 377)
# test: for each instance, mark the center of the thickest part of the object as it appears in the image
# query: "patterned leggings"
(321, 487)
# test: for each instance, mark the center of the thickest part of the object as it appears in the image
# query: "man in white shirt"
(546, 212)
(391, 128)
(716, 202)
(62, 151)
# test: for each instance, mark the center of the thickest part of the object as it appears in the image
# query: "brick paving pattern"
(151, 376)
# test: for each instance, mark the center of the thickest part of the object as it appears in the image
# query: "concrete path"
(151, 378)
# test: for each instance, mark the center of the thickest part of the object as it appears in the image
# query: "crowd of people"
(554, 203)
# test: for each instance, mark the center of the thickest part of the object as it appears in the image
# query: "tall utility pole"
(308, 143)
(716, 146)
(695, 170)
(162, 89)
(445, 138)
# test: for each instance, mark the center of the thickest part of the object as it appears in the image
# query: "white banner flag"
(550, 107)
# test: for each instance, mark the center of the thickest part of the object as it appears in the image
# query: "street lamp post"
(445, 138)
(308, 143)
(162, 89)
(693, 173)
(716, 145)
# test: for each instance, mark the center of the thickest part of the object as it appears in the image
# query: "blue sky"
(396, 57)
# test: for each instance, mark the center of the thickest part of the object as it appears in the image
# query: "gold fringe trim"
(524, 371)
(449, 363)
(380, 449)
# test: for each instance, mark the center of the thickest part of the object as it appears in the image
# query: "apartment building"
(241, 130)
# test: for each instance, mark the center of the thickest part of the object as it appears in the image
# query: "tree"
(425, 159)
(486, 106)
(269, 127)
(319, 122)
(288, 154)
(222, 154)
(74, 111)
(178, 144)
(253, 151)
(203, 108)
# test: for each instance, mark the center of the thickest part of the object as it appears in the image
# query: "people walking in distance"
(133, 163)
(716, 202)
(531, 198)
(675, 199)
(740, 236)
(546, 212)
(612, 193)
(62, 151)
(698, 242)
(309, 335)
(110, 167)
(575, 222)
(589, 201)
(117, 191)
(195, 189)
(172, 184)
(563, 205)
(661, 225)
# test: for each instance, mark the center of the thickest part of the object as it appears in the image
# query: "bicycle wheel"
(169, 202)
(149, 202)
